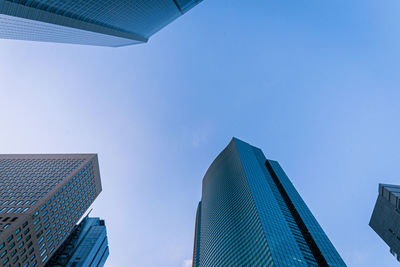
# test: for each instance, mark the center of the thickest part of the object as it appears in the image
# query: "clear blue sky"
(313, 83)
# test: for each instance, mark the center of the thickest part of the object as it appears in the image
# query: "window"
(10, 210)
(25, 210)
(3, 254)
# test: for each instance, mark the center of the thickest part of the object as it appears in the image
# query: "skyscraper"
(385, 219)
(91, 22)
(250, 214)
(41, 199)
(86, 246)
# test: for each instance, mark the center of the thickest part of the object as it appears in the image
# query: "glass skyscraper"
(385, 219)
(86, 246)
(42, 197)
(91, 22)
(250, 214)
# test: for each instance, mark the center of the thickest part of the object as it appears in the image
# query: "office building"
(250, 214)
(90, 22)
(385, 219)
(42, 197)
(86, 246)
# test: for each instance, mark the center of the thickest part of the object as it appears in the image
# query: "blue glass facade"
(251, 215)
(94, 22)
(12, 27)
(86, 246)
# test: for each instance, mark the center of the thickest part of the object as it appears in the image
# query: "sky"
(314, 84)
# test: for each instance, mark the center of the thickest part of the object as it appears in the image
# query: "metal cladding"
(250, 214)
(385, 219)
(90, 22)
(42, 197)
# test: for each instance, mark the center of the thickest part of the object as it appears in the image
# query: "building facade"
(90, 22)
(86, 246)
(250, 214)
(42, 197)
(385, 219)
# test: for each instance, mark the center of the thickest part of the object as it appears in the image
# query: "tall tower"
(41, 199)
(385, 219)
(250, 214)
(87, 245)
(91, 22)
